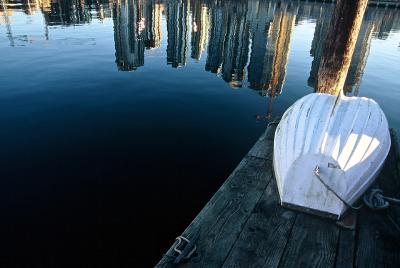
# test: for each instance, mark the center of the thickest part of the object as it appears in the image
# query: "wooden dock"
(243, 224)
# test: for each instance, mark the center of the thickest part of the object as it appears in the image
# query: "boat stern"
(314, 184)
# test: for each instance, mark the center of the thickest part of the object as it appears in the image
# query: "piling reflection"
(246, 42)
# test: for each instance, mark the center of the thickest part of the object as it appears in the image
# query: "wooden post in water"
(339, 46)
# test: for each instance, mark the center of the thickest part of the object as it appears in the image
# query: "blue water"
(119, 120)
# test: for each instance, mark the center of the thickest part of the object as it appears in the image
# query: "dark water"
(119, 120)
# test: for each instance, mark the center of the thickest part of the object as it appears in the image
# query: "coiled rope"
(375, 200)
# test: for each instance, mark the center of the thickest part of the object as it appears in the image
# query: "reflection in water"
(216, 38)
(246, 41)
(274, 51)
(152, 22)
(177, 27)
(73, 12)
(271, 32)
(5, 13)
(317, 45)
(200, 26)
(94, 132)
(137, 24)
(360, 55)
(236, 44)
(129, 39)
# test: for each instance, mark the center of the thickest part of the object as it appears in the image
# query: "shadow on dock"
(243, 225)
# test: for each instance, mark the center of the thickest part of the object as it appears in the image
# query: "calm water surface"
(120, 119)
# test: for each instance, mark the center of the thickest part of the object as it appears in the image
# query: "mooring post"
(339, 45)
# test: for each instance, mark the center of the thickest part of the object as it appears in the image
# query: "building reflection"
(178, 28)
(385, 20)
(216, 38)
(317, 45)
(128, 34)
(259, 69)
(64, 12)
(272, 26)
(200, 27)
(360, 55)
(236, 44)
(5, 14)
(246, 42)
(152, 15)
(270, 48)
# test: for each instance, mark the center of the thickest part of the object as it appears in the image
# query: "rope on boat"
(318, 175)
(374, 200)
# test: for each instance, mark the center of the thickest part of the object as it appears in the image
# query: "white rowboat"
(327, 152)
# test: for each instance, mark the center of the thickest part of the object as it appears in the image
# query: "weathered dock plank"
(378, 240)
(389, 179)
(243, 224)
(375, 245)
(263, 148)
(369, 243)
(264, 237)
(312, 243)
(221, 221)
(346, 249)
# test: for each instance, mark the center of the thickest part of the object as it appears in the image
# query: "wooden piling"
(339, 46)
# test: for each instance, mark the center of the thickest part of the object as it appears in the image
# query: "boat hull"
(347, 139)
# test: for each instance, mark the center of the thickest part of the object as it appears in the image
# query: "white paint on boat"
(350, 134)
